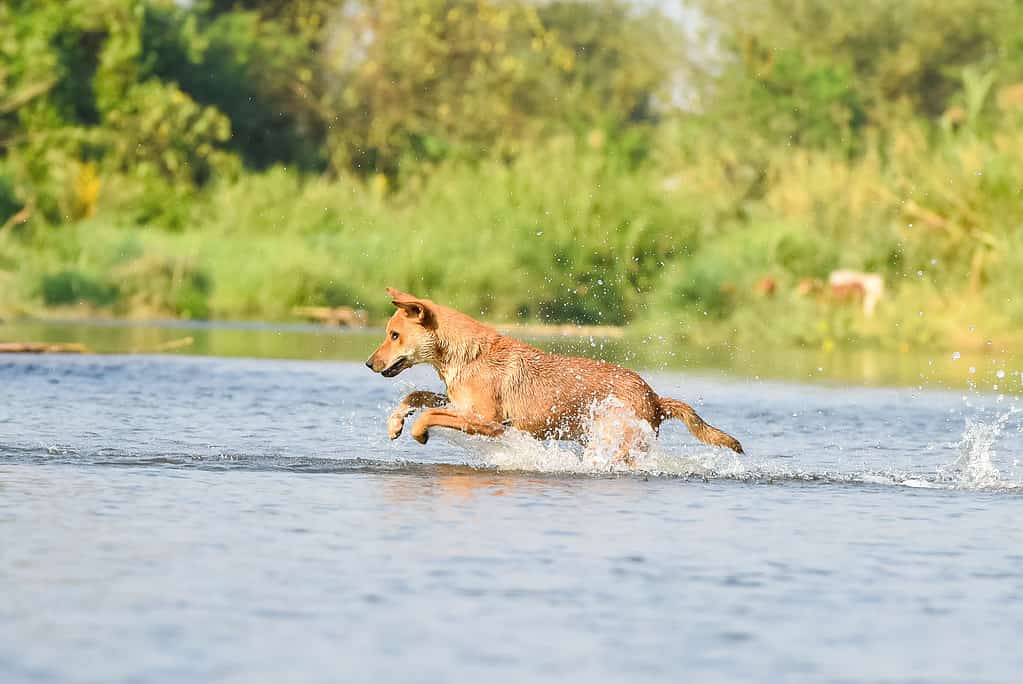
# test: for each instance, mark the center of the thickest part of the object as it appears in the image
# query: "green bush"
(69, 287)
(163, 285)
(9, 204)
(705, 286)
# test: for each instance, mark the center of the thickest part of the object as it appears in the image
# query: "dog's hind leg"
(471, 425)
(616, 433)
(408, 405)
(634, 441)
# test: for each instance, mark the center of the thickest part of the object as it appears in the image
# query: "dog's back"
(550, 395)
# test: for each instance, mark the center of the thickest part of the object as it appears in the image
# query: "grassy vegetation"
(800, 160)
(564, 236)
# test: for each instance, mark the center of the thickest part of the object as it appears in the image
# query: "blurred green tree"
(819, 72)
(437, 79)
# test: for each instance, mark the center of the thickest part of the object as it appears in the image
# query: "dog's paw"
(421, 435)
(395, 424)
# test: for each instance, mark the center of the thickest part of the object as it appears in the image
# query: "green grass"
(673, 246)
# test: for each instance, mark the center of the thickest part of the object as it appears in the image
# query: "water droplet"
(539, 233)
(1000, 374)
(972, 370)
(955, 356)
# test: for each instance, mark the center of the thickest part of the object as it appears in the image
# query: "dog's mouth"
(395, 368)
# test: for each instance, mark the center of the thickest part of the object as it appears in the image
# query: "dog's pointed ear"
(419, 310)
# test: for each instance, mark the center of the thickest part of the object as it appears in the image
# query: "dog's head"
(410, 337)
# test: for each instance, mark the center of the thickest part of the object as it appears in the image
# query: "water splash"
(975, 466)
(518, 451)
(984, 457)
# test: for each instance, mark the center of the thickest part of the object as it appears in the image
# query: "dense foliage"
(593, 161)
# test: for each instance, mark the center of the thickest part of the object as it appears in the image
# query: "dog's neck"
(460, 341)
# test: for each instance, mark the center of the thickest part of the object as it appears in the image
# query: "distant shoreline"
(983, 367)
(529, 329)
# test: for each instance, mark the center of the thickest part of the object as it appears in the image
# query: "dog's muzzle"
(395, 368)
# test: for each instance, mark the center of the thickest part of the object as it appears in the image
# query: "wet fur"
(495, 381)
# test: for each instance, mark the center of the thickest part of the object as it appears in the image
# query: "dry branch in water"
(42, 348)
(340, 316)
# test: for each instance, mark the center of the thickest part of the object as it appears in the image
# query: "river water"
(190, 518)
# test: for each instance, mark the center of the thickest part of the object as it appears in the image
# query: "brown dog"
(494, 382)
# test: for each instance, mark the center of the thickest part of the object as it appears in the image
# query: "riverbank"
(989, 368)
(95, 270)
(565, 234)
(732, 225)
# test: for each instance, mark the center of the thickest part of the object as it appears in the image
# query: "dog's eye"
(394, 335)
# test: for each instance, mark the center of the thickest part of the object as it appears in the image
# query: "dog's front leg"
(408, 405)
(469, 424)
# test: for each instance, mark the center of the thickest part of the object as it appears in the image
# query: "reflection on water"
(463, 485)
(996, 370)
(252, 340)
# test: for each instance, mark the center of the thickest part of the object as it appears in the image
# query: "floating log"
(179, 343)
(42, 348)
(171, 345)
(338, 316)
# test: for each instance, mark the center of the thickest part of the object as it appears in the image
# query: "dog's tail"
(673, 408)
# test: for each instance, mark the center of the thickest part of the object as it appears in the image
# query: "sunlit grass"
(675, 245)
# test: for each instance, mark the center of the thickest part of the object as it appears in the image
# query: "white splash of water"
(520, 451)
(975, 467)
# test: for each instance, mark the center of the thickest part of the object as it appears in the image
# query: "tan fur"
(495, 381)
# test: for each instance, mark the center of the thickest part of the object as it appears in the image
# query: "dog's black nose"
(369, 364)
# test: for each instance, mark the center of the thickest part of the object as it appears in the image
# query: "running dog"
(495, 382)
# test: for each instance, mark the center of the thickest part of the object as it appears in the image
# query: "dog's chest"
(463, 396)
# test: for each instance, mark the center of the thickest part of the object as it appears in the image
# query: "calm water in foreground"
(188, 518)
